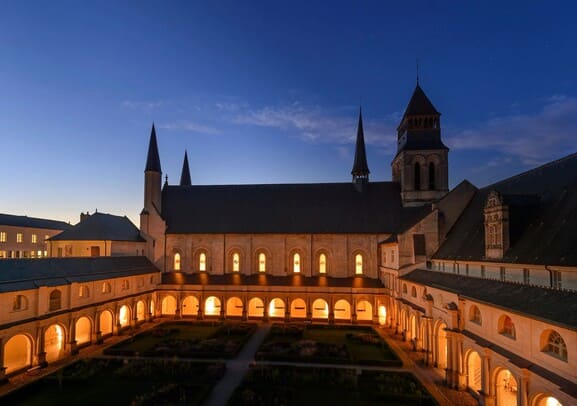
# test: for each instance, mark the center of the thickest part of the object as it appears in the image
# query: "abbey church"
(482, 281)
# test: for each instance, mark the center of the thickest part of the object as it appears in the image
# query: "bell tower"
(421, 164)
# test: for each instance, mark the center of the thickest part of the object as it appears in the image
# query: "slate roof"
(294, 281)
(422, 139)
(288, 208)
(555, 306)
(420, 104)
(23, 274)
(543, 217)
(32, 222)
(101, 226)
(153, 158)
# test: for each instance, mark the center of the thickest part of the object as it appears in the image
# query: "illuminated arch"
(342, 310)
(168, 307)
(105, 322)
(255, 307)
(322, 263)
(298, 309)
(364, 311)
(261, 262)
(54, 341)
(234, 307)
(505, 387)
(441, 345)
(296, 262)
(17, 353)
(176, 262)
(474, 371)
(190, 306)
(140, 311)
(235, 262)
(276, 308)
(543, 399)
(359, 264)
(83, 329)
(320, 309)
(212, 306)
(382, 315)
(124, 316)
(412, 327)
(202, 261)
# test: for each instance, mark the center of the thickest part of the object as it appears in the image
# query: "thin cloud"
(532, 138)
(142, 105)
(189, 126)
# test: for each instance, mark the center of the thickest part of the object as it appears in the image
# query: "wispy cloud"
(189, 126)
(316, 125)
(142, 105)
(532, 138)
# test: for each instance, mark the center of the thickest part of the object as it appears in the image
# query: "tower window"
(262, 262)
(297, 263)
(202, 261)
(177, 261)
(235, 262)
(417, 176)
(322, 263)
(358, 264)
(431, 176)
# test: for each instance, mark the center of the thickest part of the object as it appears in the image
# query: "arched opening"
(320, 309)
(176, 261)
(20, 303)
(364, 311)
(358, 264)
(54, 342)
(342, 310)
(190, 306)
(506, 388)
(544, 400)
(152, 308)
(17, 353)
(322, 264)
(298, 309)
(105, 323)
(140, 311)
(235, 262)
(276, 308)
(106, 287)
(442, 346)
(413, 291)
(255, 307)
(507, 327)
(124, 316)
(553, 344)
(412, 328)
(417, 176)
(262, 262)
(212, 306)
(474, 369)
(431, 176)
(83, 330)
(55, 300)
(234, 307)
(202, 262)
(297, 263)
(382, 315)
(475, 315)
(168, 307)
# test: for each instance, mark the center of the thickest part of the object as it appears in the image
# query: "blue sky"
(268, 92)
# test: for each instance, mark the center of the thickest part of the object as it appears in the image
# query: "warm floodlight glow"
(551, 401)
(322, 263)
(358, 264)
(212, 306)
(296, 263)
(382, 315)
(177, 262)
(123, 316)
(202, 261)
(235, 262)
(261, 262)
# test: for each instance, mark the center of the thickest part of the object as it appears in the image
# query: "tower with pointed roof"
(152, 176)
(360, 170)
(421, 164)
(185, 175)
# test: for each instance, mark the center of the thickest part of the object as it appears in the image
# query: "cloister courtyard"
(187, 361)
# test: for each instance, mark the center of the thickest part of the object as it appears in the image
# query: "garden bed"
(327, 344)
(187, 340)
(271, 385)
(135, 382)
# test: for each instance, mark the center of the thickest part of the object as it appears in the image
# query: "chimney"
(84, 216)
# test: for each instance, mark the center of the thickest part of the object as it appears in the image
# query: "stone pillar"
(375, 310)
(265, 302)
(200, 314)
(487, 392)
(331, 310)
(41, 354)
(72, 336)
(178, 311)
(309, 310)
(287, 310)
(523, 388)
(96, 336)
(354, 311)
(3, 378)
(222, 308)
(245, 309)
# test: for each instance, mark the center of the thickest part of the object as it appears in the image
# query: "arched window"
(358, 264)
(20, 303)
(262, 262)
(507, 327)
(431, 176)
(475, 315)
(125, 285)
(202, 262)
(322, 263)
(296, 263)
(417, 176)
(556, 346)
(83, 291)
(235, 262)
(106, 288)
(414, 292)
(55, 300)
(404, 288)
(177, 261)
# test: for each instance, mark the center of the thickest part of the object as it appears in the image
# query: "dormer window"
(496, 214)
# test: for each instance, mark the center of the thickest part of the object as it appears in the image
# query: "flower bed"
(326, 344)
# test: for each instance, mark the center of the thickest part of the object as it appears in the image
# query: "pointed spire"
(185, 175)
(420, 105)
(360, 167)
(153, 159)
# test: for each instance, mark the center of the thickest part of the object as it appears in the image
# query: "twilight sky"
(268, 92)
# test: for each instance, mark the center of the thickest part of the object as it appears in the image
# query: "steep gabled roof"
(153, 158)
(290, 208)
(32, 222)
(101, 227)
(360, 166)
(420, 105)
(543, 218)
(185, 175)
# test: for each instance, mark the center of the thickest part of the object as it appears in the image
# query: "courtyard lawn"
(136, 382)
(313, 386)
(187, 340)
(327, 344)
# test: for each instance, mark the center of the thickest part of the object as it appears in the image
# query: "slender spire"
(153, 159)
(185, 175)
(360, 168)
